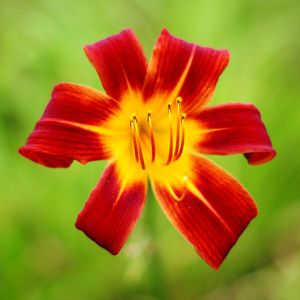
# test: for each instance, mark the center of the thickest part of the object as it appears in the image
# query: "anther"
(149, 120)
(184, 192)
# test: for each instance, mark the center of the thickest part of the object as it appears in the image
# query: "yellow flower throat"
(174, 153)
(152, 138)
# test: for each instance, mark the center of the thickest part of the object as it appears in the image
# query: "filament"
(171, 135)
(149, 119)
(174, 153)
(183, 117)
(138, 142)
(134, 141)
(178, 103)
(183, 194)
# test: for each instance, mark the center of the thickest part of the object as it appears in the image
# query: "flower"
(154, 123)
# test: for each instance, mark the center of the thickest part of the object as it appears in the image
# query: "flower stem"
(157, 286)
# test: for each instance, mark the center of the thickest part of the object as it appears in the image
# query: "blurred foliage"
(42, 256)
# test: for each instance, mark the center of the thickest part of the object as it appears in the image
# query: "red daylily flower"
(154, 123)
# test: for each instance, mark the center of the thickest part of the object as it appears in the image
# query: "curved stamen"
(149, 120)
(174, 153)
(178, 103)
(171, 135)
(136, 153)
(138, 141)
(183, 117)
(174, 195)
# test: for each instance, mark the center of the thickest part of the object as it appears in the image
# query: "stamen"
(174, 153)
(178, 102)
(183, 117)
(171, 135)
(149, 120)
(173, 194)
(134, 141)
(138, 142)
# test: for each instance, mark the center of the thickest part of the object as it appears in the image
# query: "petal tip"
(25, 152)
(224, 54)
(80, 226)
(165, 31)
(44, 158)
(62, 86)
(227, 55)
(112, 210)
(129, 30)
(257, 159)
(21, 151)
(216, 264)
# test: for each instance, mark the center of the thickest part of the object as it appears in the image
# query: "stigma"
(176, 135)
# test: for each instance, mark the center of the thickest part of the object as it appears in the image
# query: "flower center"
(175, 149)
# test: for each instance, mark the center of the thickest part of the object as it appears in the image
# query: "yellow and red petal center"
(152, 137)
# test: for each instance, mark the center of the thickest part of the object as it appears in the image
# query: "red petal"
(235, 128)
(120, 63)
(178, 68)
(70, 127)
(214, 212)
(112, 210)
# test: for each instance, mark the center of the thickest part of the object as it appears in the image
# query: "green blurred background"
(43, 256)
